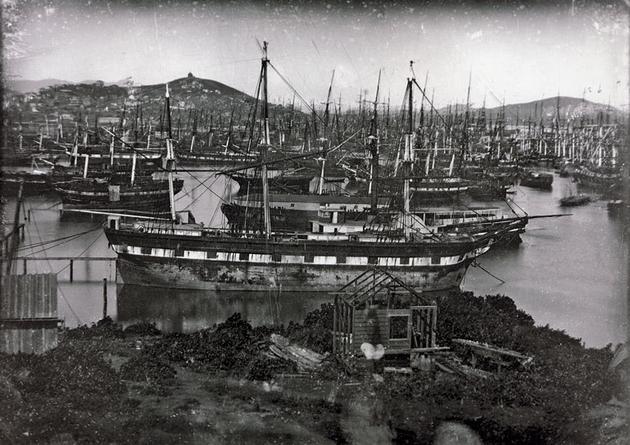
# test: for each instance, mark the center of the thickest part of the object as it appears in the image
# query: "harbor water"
(569, 272)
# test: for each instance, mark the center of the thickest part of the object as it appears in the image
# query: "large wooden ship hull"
(601, 181)
(284, 183)
(290, 212)
(543, 181)
(33, 183)
(433, 190)
(151, 196)
(293, 264)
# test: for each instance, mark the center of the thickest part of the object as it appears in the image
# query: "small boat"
(537, 180)
(575, 200)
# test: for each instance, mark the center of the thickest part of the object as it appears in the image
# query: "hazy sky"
(519, 51)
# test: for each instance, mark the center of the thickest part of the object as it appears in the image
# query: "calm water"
(568, 273)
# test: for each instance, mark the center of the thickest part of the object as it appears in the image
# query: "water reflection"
(177, 310)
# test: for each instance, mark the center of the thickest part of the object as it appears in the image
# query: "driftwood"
(304, 358)
(500, 356)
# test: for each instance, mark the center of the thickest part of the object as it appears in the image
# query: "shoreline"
(103, 384)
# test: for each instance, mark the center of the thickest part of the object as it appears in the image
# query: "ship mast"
(320, 188)
(170, 158)
(374, 150)
(464, 148)
(265, 146)
(407, 156)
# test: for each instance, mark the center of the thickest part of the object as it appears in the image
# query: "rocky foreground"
(103, 384)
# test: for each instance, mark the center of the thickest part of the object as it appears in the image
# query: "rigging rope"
(50, 268)
(309, 107)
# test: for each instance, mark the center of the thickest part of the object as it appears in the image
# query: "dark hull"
(281, 219)
(543, 182)
(488, 192)
(226, 275)
(224, 262)
(33, 184)
(599, 182)
(284, 184)
(574, 201)
(153, 198)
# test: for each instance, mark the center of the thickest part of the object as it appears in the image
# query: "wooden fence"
(28, 313)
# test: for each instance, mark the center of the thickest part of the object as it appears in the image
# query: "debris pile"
(305, 359)
(231, 347)
(71, 390)
(545, 381)
(103, 328)
(316, 332)
(142, 328)
(148, 368)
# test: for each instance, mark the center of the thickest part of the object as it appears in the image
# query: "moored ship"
(113, 194)
(170, 254)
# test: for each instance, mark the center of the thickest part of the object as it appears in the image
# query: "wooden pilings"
(67, 260)
(104, 298)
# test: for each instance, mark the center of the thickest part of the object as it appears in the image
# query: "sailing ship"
(575, 200)
(193, 256)
(537, 180)
(117, 193)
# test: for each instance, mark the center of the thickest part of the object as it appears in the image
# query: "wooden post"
(342, 328)
(433, 326)
(334, 345)
(24, 265)
(71, 271)
(104, 298)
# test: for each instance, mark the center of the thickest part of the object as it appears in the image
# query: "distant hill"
(31, 86)
(23, 86)
(194, 92)
(570, 108)
(216, 99)
(90, 99)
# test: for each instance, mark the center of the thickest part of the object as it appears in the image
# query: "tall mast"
(407, 156)
(374, 149)
(465, 129)
(322, 173)
(170, 158)
(168, 113)
(265, 145)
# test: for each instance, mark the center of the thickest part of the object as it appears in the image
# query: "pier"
(70, 260)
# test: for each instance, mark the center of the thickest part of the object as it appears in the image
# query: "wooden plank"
(430, 349)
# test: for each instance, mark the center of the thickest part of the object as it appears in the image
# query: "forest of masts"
(301, 126)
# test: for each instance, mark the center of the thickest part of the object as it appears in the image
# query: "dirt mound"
(147, 368)
(230, 347)
(103, 328)
(142, 328)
